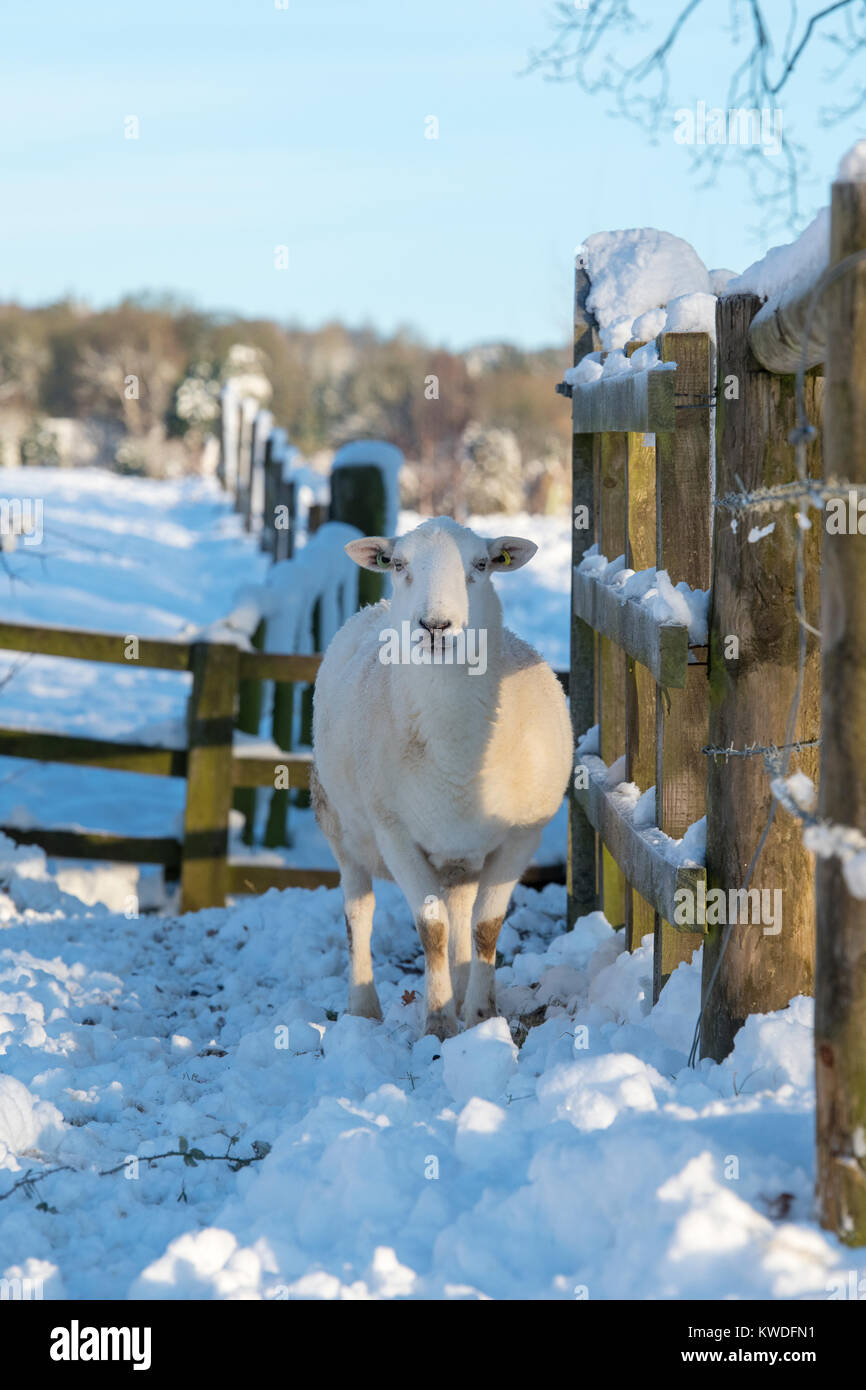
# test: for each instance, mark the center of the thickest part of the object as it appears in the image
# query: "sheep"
(432, 770)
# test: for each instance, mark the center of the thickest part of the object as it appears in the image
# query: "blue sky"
(304, 127)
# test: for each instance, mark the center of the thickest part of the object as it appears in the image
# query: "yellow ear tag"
(506, 557)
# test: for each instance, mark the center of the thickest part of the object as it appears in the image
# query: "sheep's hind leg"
(359, 903)
(498, 878)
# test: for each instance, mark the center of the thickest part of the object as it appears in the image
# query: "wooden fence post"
(263, 423)
(640, 733)
(754, 640)
(245, 431)
(612, 659)
(358, 497)
(249, 719)
(277, 827)
(272, 464)
(285, 511)
(840, 971)
(204, 866)
(683, 542)
(582, 850)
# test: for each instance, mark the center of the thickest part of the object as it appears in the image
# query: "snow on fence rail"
(771, 686)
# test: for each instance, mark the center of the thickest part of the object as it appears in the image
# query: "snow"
(649, 325)
(588, 369)
(639, 807)
(398, 1167)
(636, 271)
(654, 590)
(692, 313)
(720, 279)
(787, 271)
(852, 166)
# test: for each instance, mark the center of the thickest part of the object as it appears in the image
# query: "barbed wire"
(782, 493)
(802, 489)
(754, 750)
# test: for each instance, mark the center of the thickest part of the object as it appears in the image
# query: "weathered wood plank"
(248, 721)
(611, 657)
(579, 681)
(640, 733)
(204, 870)
(618, 404)
(162, 653)
(258, 878)
(278, 666)
(253, 877)
(684, 528)
(156, 761)
(840, 971)
(650, 873)
(663, 648)
(754, 650)
(86, 844)
(260, 770)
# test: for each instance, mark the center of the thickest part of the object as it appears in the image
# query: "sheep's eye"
(397, 566)
(383, 560)
(481, 566)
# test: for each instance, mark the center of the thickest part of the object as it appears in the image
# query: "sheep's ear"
(510, 552)
(371, 552)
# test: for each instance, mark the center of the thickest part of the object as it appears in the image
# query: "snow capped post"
(365, 493)
(840, 972)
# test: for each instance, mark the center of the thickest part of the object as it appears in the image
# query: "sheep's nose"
(434, 624)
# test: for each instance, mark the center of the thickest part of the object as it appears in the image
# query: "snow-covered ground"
(587, 1162)
(565, 1150)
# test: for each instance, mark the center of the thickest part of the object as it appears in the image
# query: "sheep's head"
(441, 574)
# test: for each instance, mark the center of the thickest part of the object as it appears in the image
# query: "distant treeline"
(150, 370)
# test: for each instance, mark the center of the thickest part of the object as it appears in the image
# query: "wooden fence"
(212, 762)
(723, 504)
(645, 459)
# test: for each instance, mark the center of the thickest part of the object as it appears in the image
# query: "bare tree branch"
(606, 46)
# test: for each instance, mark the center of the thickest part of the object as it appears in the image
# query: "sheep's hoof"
(442, 1023)
(364, 1002)
(475, 1013)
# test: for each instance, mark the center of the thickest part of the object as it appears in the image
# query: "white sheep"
(439, 770)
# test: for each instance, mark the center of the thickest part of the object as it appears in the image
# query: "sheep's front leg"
(412, 871)
(459, 900)
(359, 904)
(501, 872)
